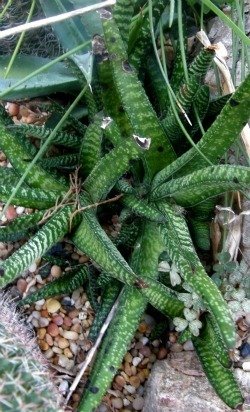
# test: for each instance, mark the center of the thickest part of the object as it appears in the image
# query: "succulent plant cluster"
(132, 158)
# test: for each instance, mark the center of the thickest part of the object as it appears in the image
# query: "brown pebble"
(55, 271)
(117, 403)
(49, 339)
(41, 332)
(176, 347)
(13, 109)
(76, 328)
(44, 313)
(127, 369)
(172, 338)
(58, 320)
(53, 305)
(145, 351)
(144, 362)
(142, 327)
(128, 357)
(63, 343)
(67, 352)
(73, 313)
(67, 321)
(162, 353)
(83, 259)
(10, 213)
(135, 381)
(146, 372)
(21, 285)
(53, 329)
(120, 381)
(141, 376)
(75, 256)
(133, 370)
(43, 345)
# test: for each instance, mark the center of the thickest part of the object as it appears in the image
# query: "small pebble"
(12, 108)
(35, 323)
(10, 213)
(36, 314)
(63, 343)
(245, 350)
(246, 366)
(43, 322)
(138, 403)
(48, 353)
(41, 333)
(67, 334)
(43, 345)
(128, 357)
(49, 339)
(20, 210)
(155, 343)
(176, 347)
(67, 352)
(33, 267)
(188, 345)
(73, 313)
(120, 381)
(73, 347)
(53, 329)
(21, 285)
(53, 305)
(57, 350)
(58, 320)
(145, 351)
(126, 402)
(117, 403)
(55, 271)
(65, 362)
(135, 381)
(63, 387)
(162, 353)
(136, 361)
(131, 389)
(67, 321)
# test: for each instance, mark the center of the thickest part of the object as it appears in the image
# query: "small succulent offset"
(133, 157)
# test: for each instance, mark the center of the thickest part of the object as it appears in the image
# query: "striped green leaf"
(20, 227)
(202, 184)
(91, 147)
(123, 12)
(141, 115)
(37, 246)
(65, 284)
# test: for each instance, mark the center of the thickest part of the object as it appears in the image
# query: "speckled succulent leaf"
(216, 105)
(217, 139)
(178, 70)
(202, 184)
(64, 161)
(43, 132)
(142, 208)
(138, 55)
(157, 87)
(127, 235)
(92, 291)
(221, 378)
(91, 239)
(112, 166)
(108, 298)
(217, 343)
(113, 133)
(125, 187)
(65, 284)
(114, 347)
(19, 228)
(91, 147)
(123, 12)
(19, 158)
(187, 92)
(9, 176)
(141, 115)
(47, 236)
(179, 247)
(29, 197)
(123, 326)
(200, 232)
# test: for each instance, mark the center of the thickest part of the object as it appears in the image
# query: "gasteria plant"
(127, 155)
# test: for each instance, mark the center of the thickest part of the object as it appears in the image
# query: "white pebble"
(188, 345)
(63, 387)
(65, 362)
(144, 340)
(35, 323)
(73, 347)
(76, 294)
(20, 210)
(136, 361)
(126, 402)
(131, 389)
(57, 350)
(39, 280)
(43, 322)
(36, 314)
(117, 403)
(69, 334)
(40, 302)
(48, 353)
(138, 403)
(33, 267)
(246, 366)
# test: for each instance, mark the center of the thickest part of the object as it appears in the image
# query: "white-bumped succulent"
(175, 277)
(180, 324)
(195, 327)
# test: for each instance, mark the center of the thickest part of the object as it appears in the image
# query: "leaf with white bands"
(113, 165)
(179, 247)
(142, 208)
(202, 184)
(20, 227)
(48, 235)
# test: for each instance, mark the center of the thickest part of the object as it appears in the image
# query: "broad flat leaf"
(55, 79)
(72, 32)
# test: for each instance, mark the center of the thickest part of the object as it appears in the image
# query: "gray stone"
(178, 384)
